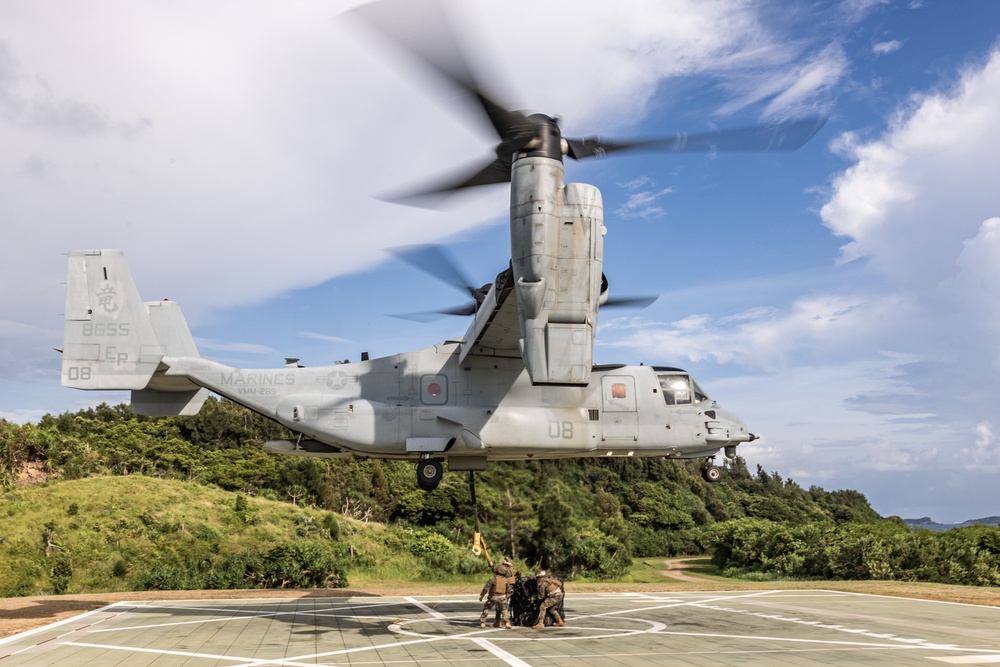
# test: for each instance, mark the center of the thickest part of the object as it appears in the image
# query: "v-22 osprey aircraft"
(520, 384)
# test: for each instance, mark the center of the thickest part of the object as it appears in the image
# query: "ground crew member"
(504, 569)
(511, 581)
(495, 592)
(549, 590)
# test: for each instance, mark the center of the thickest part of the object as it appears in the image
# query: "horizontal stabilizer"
(153, 403)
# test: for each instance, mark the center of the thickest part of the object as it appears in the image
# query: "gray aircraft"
(520, 384)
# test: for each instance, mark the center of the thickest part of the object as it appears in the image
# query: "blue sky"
(843, 299)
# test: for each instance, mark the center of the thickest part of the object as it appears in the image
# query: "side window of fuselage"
(434, 389)
(676, 389)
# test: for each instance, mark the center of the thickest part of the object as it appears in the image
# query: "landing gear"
(429, 473)
(711, 472)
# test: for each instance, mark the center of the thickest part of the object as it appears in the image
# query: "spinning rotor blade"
(630, 301)
(497, 171)
(431, 315)
(434, 260)
(421, 29)
(636, 301)
(783, 136)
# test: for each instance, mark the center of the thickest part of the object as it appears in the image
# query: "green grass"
(646, 571)
(702, 567)
(109, 533)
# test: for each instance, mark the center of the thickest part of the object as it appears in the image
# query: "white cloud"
(899, 372)
(794, 88)
(883, 48)
(806, 81)
(643, 204)
(919, 205)
(976, 287)
(231, 150)
(984, 453)
(812, 330)
(324, 337)
(920, 191)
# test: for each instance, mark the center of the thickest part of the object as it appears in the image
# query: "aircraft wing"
(495, 331)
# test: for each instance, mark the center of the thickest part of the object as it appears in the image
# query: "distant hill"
(930, 524)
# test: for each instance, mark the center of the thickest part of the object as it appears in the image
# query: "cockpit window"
(699, 393)
(678, 389)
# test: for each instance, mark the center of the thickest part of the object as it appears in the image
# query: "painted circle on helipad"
(519, 634)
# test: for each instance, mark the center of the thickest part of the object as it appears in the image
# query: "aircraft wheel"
(429, 473)
(711, 473)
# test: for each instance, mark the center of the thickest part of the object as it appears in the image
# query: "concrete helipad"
(710, 628)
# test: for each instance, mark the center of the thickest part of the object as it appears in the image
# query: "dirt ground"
(22, 614)
(676, 570)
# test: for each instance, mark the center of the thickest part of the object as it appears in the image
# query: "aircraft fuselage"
(425, 403)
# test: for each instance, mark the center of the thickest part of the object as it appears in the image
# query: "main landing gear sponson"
(429, 473)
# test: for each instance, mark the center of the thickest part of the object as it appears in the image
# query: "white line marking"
(899, 597)
(675, 604)
(218, 619)
(989, 656)
(50, 626)
(69, 632)
(802, 641)
(358, 649)
(433, 612)
(251, 615)
(923, 643)
(549, 635)
(186, 654)
(969, 659)
(509, 658)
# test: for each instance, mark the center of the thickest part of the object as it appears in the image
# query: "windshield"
(680, 389)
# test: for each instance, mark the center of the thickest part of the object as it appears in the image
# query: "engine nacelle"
(557, 245)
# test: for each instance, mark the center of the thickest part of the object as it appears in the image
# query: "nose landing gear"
(711, 472)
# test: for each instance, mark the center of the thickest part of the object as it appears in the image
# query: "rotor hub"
(547, 142)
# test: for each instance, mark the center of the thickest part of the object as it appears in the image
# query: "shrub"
(165, 577)
(331, 525)
(62, 572)
(424, 544)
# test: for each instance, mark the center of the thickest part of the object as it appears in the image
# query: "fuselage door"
(619, 419)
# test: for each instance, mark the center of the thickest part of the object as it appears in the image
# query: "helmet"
(507, 560)
(541, 573)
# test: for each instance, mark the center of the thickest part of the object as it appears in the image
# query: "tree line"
(581, 516)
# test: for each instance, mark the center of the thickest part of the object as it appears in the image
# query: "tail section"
(108, 339)
(170, 395)
(171, 329)
(112, 340)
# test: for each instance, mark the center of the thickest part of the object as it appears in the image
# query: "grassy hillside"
(135, 533)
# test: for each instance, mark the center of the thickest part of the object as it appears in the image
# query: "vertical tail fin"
(171, 329)
(109, 340)
(176, 395)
